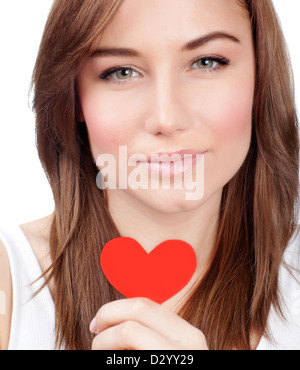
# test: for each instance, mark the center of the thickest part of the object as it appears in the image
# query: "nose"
(168, 109)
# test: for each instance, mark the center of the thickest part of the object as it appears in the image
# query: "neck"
(149, 227)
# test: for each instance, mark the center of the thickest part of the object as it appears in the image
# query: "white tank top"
(33, 320)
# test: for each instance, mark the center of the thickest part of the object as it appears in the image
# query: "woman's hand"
(141, 324)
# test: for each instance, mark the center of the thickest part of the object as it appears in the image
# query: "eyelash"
(107, 75)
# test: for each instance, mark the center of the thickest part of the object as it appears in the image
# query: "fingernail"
(93, 325)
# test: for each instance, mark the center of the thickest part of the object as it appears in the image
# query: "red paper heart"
(158, 275)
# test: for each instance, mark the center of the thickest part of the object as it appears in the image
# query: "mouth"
(172, 163)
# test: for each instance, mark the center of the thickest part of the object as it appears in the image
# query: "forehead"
(144, 22)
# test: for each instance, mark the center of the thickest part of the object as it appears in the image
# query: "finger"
(131, 335)
(146, 312)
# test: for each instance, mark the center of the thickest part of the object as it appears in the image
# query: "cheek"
(231, 121)
(235, 122)
(105, 136)
(108, 127)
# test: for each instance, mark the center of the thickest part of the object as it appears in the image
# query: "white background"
(25, 194)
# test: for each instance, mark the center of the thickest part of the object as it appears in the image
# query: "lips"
(172, 156)
(171, 163)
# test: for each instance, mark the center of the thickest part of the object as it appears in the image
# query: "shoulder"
(284, 324)
(290, 277)
(292, 253)
(5, 297)
(37, 232)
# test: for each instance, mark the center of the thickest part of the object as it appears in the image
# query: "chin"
(166, 201)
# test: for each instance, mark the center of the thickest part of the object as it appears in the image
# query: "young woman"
(160, 76)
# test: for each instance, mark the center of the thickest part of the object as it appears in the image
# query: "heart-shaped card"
(157, 275)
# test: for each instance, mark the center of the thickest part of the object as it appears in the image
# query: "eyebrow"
(191, 45)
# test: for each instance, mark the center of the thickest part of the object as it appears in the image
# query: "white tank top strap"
(33, 319)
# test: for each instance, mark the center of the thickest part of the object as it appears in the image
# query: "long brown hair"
(258, 212)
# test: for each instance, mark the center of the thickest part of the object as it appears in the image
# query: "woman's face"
(187, 83)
